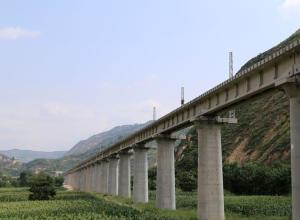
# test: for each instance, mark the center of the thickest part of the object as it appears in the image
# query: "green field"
(79, 205)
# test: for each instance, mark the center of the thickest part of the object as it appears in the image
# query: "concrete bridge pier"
(165, 181)
(210, 173)
(84, 179)
(75, 181)
(98, 177)
(124, 175)
(95, 181)
(81, 186)
(90, 179)
(113, 176)
(79, 179)
(92, 167)
(87, 181)
(140, 179)
(293, 91)
(104, 176)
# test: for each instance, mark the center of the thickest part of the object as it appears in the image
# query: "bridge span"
(109, 171)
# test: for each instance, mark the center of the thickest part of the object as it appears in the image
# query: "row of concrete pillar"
(112, 175)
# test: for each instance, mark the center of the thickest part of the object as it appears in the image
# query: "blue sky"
(71, 68)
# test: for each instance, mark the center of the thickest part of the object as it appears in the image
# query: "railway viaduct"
(109, 171)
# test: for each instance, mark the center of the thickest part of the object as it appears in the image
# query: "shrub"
(152, 178)
(187, 181)
(41, 187)
(23, 178)
(58, 181)
(257, 179)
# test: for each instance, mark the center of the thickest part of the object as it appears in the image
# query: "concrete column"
(93, 178)
(140, 179)
(113, 176)
(165, 179)
(293, 91)
(89, 179)
(124, 175)
(98, 177)
(104, 176)
(210, 174)
(85, 179)
(81, 180)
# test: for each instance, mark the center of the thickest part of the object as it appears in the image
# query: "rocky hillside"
(263, 132)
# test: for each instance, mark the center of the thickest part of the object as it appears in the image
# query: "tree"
(41, 187)
(58, 181)
(23, 179)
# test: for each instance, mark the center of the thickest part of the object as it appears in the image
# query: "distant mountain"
(83, 149)
(104, 139)
(29, 155)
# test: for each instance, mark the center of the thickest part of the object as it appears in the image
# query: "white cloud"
(13, 33)
(290, 6)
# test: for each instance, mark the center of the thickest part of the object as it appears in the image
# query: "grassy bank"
(78, 205)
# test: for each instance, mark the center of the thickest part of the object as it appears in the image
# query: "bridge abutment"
(113, 176)
(124, 175)
(165, 181)
(140, 179)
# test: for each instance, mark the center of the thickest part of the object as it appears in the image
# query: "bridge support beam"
(293, 91)
(165, 181)
(104, 176)
(113, 176)
(124, 175)
(140, 179)
(210, 173)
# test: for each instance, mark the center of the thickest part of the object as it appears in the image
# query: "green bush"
(24, 178)
(257, 179)
(152, 178)
(187, 181)
(58, 181)
(41, 187)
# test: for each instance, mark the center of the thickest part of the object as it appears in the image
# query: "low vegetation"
(14, 204)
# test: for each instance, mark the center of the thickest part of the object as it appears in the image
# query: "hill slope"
(83, 149)
(104, 139)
